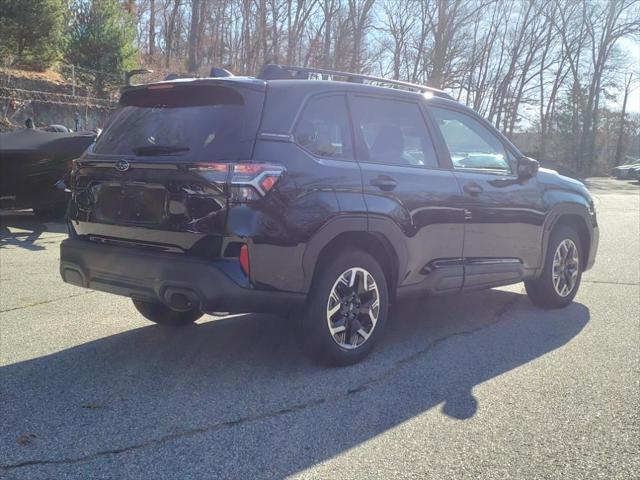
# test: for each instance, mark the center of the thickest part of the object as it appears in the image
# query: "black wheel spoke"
(355, 288)
(339, 322)
(365, 320)
(342, 290)
(367, 299)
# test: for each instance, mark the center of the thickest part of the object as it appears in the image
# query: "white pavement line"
(604, 282)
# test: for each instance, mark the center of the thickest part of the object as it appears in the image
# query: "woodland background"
(559, 77)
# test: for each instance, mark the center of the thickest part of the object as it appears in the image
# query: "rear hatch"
(157, 176)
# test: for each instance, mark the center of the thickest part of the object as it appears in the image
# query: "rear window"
(190, 123)
(324, 128)
(394, 132)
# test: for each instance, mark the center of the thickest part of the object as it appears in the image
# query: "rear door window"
(202, 123)
(323, 128)
(393, 132)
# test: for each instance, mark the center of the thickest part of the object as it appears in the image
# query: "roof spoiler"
(131, 73)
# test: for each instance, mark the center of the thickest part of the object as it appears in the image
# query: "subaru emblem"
(122, 165)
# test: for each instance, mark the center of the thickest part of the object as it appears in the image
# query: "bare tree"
(541, 64)
(359, 17)
(399, 25)
(628, 82)
(152, 28)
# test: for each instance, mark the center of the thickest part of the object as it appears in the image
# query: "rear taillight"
(247, 181)
(212, 172)
(244, 259)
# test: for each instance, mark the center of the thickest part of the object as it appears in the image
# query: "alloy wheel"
(353, 308)
(566, 264)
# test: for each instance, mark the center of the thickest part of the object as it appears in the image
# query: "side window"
(471, 145)
(393, 132)
(323, 128)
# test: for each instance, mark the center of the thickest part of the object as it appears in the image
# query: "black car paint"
(439, 237)
(33, 163)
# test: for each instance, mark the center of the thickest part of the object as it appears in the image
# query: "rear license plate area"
(130, 203)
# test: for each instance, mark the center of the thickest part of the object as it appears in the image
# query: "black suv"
(326, 200)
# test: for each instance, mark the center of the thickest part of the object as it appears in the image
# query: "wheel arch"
(575, 216)
(352, 232)
(578, 223)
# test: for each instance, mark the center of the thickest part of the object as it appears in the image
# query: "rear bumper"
(215, 286)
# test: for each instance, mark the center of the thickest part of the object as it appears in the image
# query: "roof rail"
(279, 72)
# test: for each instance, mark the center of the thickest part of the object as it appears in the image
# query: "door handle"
(384, 183)
(472, 188)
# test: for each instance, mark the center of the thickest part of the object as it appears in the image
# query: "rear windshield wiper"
(148, 150)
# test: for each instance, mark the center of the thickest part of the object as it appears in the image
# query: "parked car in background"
(33, 164)
(324, 200)
(56, 128)
(623, 172)
(634, 173)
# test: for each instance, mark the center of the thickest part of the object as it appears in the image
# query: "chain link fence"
(77, 97)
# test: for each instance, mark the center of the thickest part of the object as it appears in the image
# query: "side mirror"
(527, 168)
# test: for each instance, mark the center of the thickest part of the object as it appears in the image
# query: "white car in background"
(623, 172)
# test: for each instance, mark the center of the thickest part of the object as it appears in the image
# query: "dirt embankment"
(48, 98)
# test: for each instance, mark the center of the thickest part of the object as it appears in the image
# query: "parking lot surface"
(481, 385)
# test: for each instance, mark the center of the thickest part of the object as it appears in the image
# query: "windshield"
(203, 123)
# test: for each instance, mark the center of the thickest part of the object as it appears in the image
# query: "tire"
(163, 315)
(362, 306)
(542, 291)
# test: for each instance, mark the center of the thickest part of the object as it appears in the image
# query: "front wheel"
(562, 271)
(347, 309)
(163, 315)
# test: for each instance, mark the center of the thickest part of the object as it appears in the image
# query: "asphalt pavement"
(482, 385)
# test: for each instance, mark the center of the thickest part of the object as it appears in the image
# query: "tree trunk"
(623, 114)
(171, 30)
(192, 64)
(328, 16)
(275, 34)
(152, 28)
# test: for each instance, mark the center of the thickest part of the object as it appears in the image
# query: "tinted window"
(394, 132)
(203, 123)
(323, 128)
(471, 145)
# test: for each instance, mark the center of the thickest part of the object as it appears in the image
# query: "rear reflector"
(268, 182)
(244, 259)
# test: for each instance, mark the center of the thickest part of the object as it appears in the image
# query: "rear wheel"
(562, 271)
(163, 315)
(347, 309)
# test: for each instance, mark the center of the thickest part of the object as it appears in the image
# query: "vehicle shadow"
(24, 230)
(234, 397)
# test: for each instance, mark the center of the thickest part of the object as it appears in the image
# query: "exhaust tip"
(181, 299)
